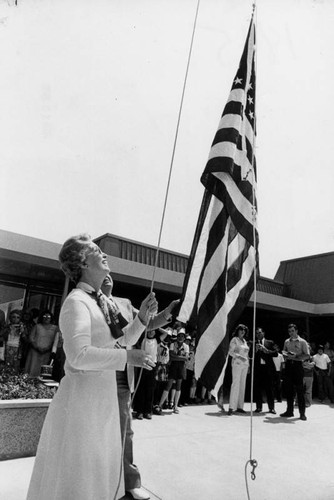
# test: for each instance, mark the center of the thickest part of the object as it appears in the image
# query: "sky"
(90, 95)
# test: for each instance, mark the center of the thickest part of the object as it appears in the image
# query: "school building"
(301, 292)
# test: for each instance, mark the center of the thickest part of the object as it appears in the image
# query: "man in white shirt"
(322, 365)
(295, 351)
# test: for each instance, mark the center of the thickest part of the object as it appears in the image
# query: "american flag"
(220, 275)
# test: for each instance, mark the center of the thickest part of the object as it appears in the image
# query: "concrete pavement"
(202, 453)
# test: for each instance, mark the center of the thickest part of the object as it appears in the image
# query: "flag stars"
(238, 81)
(251, 115)
(250, 99)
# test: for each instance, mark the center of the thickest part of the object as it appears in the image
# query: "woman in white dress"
(238, 350)
(79, 455)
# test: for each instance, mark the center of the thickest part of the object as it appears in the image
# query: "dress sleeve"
(232, 348)
(75, 325)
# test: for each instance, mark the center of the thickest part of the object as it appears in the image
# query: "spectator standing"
(178, 353)
(308, 366)
(143, 399)
(330, 353)
(58, 371)
(295, 351)
(162, 369)
(28, 324)
(279, 365)
(190, 382)
(264, 371)
(2, 339)
(239, 351)
(322, 367)
(15, 336)
(43, 341)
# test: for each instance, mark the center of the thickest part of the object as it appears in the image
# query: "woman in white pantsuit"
(79, 455)
(239, 351)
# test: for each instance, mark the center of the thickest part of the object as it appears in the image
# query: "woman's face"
(46, 318)
(241, 333)
(15, 318)
(96, 260)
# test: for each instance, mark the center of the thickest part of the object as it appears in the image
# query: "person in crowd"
(14, 337)
(313, 348)
(322, 367)
(190, 382)
(43, 341)
(295, 351)
(308, 367)
(161, 369)
(143, 398)
(205, 396)
(279, 365)
(239, 352)
(58, 357)
(125, 378)
(179, 352)
(264, 371)
(330, 353)
(79, 455)
(2, 338)
(27, 321)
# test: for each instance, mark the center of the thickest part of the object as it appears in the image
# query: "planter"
(21, 422)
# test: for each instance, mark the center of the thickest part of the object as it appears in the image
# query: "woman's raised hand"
(148, 308)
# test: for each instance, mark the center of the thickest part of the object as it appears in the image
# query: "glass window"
(11, 297)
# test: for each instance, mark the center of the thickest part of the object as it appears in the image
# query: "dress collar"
(85, 287)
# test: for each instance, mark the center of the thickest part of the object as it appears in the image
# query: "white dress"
(79, 453)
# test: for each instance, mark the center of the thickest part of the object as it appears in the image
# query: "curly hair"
(240, 327)
(73, 255)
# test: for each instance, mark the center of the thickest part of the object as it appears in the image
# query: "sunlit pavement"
(201, 453)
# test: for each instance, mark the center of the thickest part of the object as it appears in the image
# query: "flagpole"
(251, 460)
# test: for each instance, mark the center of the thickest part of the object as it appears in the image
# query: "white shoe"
(139, 494)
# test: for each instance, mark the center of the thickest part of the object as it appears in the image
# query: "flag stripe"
(210, 337)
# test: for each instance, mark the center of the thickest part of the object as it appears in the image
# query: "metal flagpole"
(251, 461)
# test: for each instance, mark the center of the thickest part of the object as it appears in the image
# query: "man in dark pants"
(264, 371)
(125, 383)
(295, 351)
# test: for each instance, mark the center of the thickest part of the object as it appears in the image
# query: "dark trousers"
(263, 382)
(325, 386)
(277, 386)
(294, 384)
(131, 472)
(143, 400)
